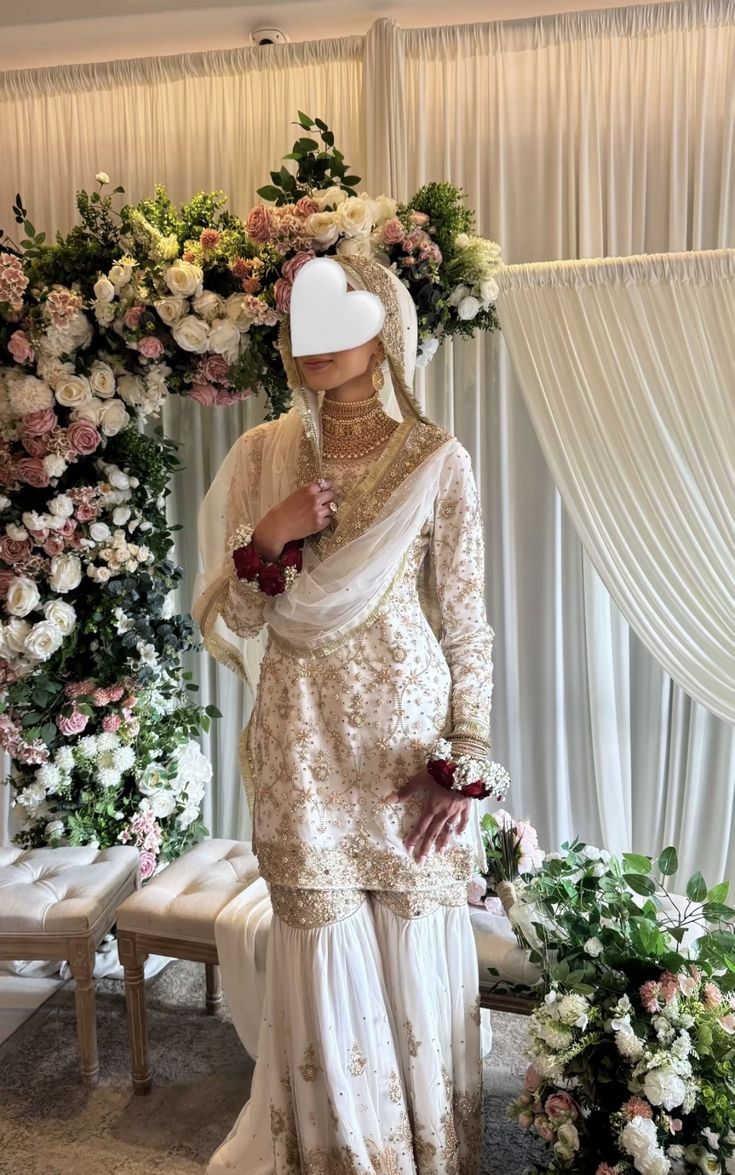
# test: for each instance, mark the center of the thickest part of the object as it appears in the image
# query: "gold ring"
(333, 507)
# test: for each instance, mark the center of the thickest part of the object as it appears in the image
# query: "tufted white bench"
(175, 914)
(59, 904)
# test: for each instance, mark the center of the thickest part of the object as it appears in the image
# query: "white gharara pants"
(369, 1056)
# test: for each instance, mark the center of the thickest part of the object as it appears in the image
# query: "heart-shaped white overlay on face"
(325, 315)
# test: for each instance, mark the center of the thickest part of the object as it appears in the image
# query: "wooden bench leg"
(214, 987)
(81, 962)
(133, 966)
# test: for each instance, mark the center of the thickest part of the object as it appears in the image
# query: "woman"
(369, 1047)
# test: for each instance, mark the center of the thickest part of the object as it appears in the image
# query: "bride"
(349, 532)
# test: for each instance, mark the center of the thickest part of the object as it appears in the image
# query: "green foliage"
(317, 166)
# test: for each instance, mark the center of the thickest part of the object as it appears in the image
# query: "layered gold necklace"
(354, 428)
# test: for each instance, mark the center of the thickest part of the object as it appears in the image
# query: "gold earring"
(378, 377)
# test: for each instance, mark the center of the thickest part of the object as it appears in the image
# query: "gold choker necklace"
(353, 428)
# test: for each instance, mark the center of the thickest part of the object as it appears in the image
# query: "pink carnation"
(100, 697)
(636, 1107)
(209, 238)
(282, 294)
(86, 512)
(150, 347)
(146, 864)
(306, 206)
(111, 722)
(115, 692)
(20, 347)
(73, 723)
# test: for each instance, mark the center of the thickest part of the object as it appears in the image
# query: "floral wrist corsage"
(475, 778)
(271, 576)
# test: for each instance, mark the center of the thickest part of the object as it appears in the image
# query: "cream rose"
(184, 278)
(355, 247)
(323, 227)
(224, 338)
(209, 305)
(15, 633)
(355, 217)
(22, 597)
(104, 291)
(171, 309)
(90, 411)
(66, 573)
(43, 640)
(113, 418)
(102, 380)
(236, 311)
(61, 614)
(120, 275)
(385, 208)
(191, 334)
(330, 198)
(104, 312)
(131, 389)
(73, 390)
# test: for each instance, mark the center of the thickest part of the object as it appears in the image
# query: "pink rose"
(282, 294)
(20, 348)
(290, 268)
(543, 1128)
(146, 865)
(35, 446)
(306, 206)
(258, 223)
(204, 394)
(213, 369)
(37, 424)
(150, 347)
(132, 317)
(53, 545)
(393, 231)
(419, 218)
(561, 1105)
(14, 550)
(83, 437)
(31, 470)
(73, 723)
(68, 529)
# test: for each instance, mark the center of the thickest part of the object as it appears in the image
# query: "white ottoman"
(174, 914)
(59, 904)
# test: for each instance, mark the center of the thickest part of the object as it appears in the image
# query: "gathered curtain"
(628, 372)
(587, 135)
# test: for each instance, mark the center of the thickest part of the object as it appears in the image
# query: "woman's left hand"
(445, 814)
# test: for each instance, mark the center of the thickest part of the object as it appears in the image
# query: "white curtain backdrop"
(628, 372)
(588, 135)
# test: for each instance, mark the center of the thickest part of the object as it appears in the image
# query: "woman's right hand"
(304, 512)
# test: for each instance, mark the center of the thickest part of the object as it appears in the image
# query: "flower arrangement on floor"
(632, 1048)
(96, 329)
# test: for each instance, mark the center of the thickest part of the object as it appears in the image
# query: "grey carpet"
(52, 1125)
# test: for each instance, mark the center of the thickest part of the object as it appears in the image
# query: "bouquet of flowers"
(633, 1048)
(512, 851)
(96, 329)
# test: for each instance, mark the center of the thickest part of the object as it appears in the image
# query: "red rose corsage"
(475, 778)
(271, 576)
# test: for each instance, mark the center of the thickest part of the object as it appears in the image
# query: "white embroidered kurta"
(332, 735)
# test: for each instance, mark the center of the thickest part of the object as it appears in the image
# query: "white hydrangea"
(32, 797)
(64, 759)
(664, 1087)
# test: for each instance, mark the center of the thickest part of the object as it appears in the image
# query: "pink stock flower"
(650, 993)
(37, 424)
(204, 394)
(20, 347)
(14, 550)
(83, 437)
(73, 723)
(146, 864)
(32, 471)
(150, 347)
(258, 225)
(132, 317)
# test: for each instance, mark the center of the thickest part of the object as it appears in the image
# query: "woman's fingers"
(431, 833)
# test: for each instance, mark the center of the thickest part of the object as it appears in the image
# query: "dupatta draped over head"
(348, 569)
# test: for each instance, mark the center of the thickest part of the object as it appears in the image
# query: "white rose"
(184, 278)
(101, 574)
(66, 573)
(73, 390)
(22, 597)
(355, 246)
(120, 515)
(99, 531)
(19, 533)
(13, 636)
(171, 309)
(385, 208)
(458, 294)
(131, 389)
(593, 947)
(118, 478)
(43, 640)
(29, 395)
(355, 217)
(104, 312)
(62, 506)
(330, 197)
(469, 307)
(664, 1088)
(191, 334)
(163, 803)
(102, 381)
(120, 275)
(54, 828)
(113, 418)
(323, 227)
(104, 291)
(235, 310)
(61, 614)
(102, 177)
(54, 465)
(209, 305)
(91, 411)
(224, 339)
(428, 350)
(489, 290)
